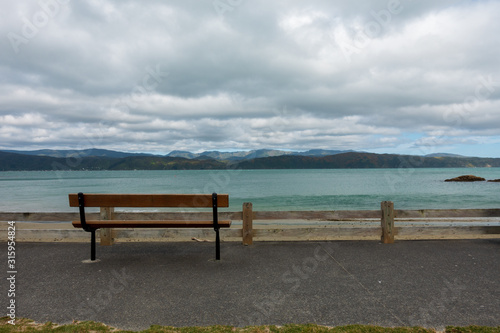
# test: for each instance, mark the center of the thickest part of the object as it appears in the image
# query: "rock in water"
(495, 181)
(466, 178)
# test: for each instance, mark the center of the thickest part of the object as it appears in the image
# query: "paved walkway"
(135, 285)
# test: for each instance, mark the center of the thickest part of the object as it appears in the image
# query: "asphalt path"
(135, 285)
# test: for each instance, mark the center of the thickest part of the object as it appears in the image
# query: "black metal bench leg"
(217, 245)
(92, 245)
(216, 226)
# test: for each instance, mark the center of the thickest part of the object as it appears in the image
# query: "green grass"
(26, 325)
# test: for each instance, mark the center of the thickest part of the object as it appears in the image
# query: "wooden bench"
(154, 201)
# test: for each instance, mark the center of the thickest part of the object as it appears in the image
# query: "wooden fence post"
(107, 213)
(387, 222)
(247, 230)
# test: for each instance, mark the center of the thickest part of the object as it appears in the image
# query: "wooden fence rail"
(385, 224)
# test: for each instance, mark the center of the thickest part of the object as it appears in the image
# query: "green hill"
(351, 160)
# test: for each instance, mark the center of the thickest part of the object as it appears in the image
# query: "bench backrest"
(149, 200)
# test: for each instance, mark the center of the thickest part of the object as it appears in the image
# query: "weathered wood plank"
(43, 217)
(313, 234)
(151, 224)
(270, 234)
(446, 232)
(119, 215)
(247, 230)
(447, 220)
(176, 235)
(149, 200)
(107, 213)
(340, 216)
(387, 222)
(312, 215)
(342, 233)
(436, 213)
(175, 215)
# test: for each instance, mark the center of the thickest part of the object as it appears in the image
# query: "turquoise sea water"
(336, 189)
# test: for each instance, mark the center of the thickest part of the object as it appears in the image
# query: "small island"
(466, 178)
(494, 181)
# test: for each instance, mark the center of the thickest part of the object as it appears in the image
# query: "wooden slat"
(447, 232)
(313, 234)
(149, 200)
(152, 224)
(331, 233)
(436, 213)
(173, 216)
(363, 214)
(175, 235)
(311, 215)
(232, 234)
(120, 215)
(39, 217)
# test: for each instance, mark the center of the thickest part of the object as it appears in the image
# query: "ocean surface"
(334, 189)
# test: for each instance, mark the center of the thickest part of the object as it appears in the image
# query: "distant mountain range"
(216, 155)
(75, 153)
(247, 155)
(443, 155)
(101, 159)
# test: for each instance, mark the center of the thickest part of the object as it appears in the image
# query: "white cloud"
(27, 119)
(262, 75)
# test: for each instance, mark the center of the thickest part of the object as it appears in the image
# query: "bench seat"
(96, 224)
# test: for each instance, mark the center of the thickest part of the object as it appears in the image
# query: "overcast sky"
(415, 77)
